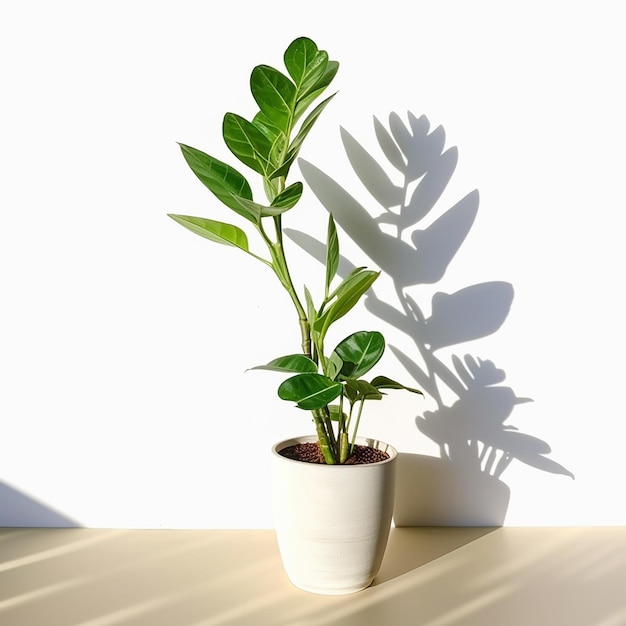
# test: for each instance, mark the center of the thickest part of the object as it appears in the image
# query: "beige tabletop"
(429, 577)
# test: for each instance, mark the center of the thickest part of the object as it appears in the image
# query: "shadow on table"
(19, 510)
(410, 548)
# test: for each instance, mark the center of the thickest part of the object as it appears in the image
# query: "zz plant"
(328, 384)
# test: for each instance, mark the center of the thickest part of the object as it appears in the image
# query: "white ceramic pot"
(332, 521)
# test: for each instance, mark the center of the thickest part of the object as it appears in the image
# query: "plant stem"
(356, 426)
(303, 320)
(344, 452)
(325, 443)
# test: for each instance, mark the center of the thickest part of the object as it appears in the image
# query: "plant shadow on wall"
(463, 486)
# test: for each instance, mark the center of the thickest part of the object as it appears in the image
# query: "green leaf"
(309, 391)
(305, 63)
(260, 210)
(287, 198)
(296, 363)
(350, 392)
(272, 132)
(247, 143)
(346, 297)
(359, 353)
(221, 179)
(275, 94)
(215, 231)
(336, 413)
(310, 306)
(332, 252)
(362, 390)
(333, 365)
(356, 277)
(303, 103)
(296, 144)
(382, 382)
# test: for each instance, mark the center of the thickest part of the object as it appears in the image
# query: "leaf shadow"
(413, 241)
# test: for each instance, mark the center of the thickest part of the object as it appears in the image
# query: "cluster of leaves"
(269, 145)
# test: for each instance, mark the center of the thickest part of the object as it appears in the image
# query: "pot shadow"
(410, 548)
(19, 510)
(413, 242)
(447, 494)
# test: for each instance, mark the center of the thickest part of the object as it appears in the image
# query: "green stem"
(343, 447)
(325, 443)
(281, 269)
(303, 320)
(356, 426)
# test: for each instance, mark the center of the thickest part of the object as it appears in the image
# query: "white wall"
(124, 338)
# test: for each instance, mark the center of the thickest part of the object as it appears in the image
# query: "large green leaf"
(275, 94)
(247, 143)
(310, 391)
(382, 382)
(295, 363)
(221, 179)
(360, 352)
(215, 231)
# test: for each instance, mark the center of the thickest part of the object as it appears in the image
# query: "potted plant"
(333, 491)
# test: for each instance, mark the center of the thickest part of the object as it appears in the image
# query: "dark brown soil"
(310, 453)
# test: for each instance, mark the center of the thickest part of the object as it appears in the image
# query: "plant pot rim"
(363, 441)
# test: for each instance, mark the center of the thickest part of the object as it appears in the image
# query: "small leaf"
(303, 103)
(296, 144)
(310, 306)
(359, 353)
(221, 179)
(268, 128)
(347, 295)
(382, 382)
(310, 391)
(247, 143)
(296, 363)
(332, 252)
(336, 413)
(259, 210)
(275, 94)
(215, 231)
(288, 198)
(305, 63)
(334, 365)
(363, 390)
